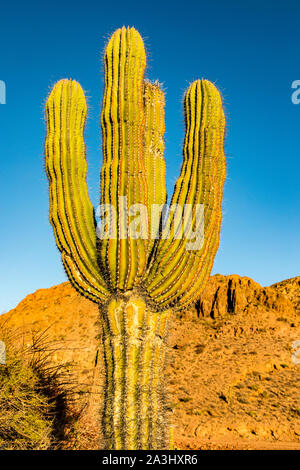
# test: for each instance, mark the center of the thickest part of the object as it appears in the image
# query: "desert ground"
(232, 377)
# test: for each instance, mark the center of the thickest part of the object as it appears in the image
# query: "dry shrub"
(33, 394)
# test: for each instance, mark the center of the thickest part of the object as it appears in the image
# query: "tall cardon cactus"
(137, 264)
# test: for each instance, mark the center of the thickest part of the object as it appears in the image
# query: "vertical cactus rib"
(71, 212)
(154, 153)
(177, 270)
(123, 171)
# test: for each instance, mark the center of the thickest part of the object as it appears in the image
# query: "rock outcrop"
(291, 289)
(233, 294)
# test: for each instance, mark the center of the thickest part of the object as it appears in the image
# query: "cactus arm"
(123, 171)
(178, 272)
(154, 153)
(71, 212)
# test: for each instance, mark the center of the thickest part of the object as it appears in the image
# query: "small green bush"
(34, 400)
(25, 413)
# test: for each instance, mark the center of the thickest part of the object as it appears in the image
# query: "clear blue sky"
(250, 49)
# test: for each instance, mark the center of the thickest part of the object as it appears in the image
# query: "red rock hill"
(232, 380)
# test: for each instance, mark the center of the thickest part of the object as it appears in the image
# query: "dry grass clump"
(32, 399)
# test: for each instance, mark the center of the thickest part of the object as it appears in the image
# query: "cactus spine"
(136, 280)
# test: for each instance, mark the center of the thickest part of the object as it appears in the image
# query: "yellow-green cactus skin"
(136, 281)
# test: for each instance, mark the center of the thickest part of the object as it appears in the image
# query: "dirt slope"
(232, 381)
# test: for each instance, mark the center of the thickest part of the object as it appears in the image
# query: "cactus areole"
(135, 277)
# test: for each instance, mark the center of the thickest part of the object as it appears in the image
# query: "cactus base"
(134, 340)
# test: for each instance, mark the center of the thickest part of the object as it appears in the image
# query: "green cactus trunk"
(134, 341)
